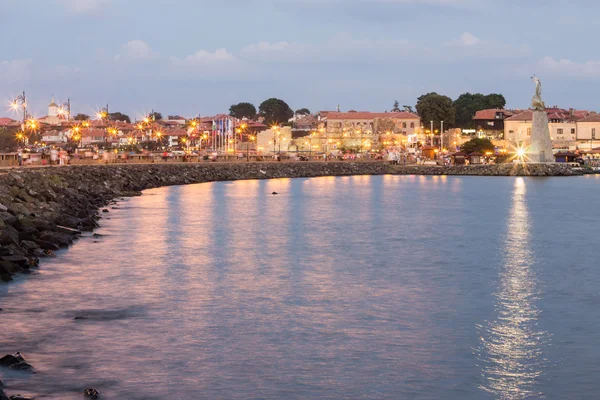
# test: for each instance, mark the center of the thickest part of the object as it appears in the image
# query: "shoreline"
(45, 209)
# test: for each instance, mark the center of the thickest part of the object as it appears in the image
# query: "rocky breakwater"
(508, 169)
(45, 209)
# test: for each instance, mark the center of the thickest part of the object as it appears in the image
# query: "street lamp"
(21, 101)
(431, 130)
(65, 109)
(103, 113)
(251, 138)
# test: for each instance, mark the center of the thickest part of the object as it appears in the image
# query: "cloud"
(136, 50)
(263, 47)
(15, 70)
(85, 6)
(468, 39)
(204, 57)
(566, 67)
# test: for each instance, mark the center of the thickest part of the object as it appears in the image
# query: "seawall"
(42, 210)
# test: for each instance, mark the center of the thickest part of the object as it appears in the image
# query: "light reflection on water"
(512, 345)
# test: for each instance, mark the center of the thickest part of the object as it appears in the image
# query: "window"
(593, 133)
(404, 124)
(412, 125)
(559, 131)
(528, 131)
(572, 131)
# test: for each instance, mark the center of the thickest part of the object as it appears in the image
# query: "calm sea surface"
(337, 288)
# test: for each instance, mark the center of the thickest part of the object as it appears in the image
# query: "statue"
(537, 103)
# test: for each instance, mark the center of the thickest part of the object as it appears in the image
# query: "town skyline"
(179, 61)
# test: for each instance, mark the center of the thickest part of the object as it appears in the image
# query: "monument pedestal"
(540, 150)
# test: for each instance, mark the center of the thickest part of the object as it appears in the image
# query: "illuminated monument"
(540, 149)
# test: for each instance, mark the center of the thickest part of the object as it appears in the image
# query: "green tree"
(155, 116)
(243, 110)
(495, 100)
(477, 145)
(275, 111)
(436, 107)
(81, 117)
(117, 116)
(303, 111)
(396, 107)
(467, 104)
(8, 140)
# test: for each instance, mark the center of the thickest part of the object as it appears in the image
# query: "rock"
(16, 259)
(29, 245)
(274, 193)
(22, 366)
(11, 359)
(105, 210)
(46, 245)
(19, 397)
(3, 395)
(9, 268)
(8, 235)
(61, 239)
(92, 394)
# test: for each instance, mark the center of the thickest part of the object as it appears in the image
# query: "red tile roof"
(6, 121)
(490, 113)
(591, 118)
(523, 116)
(93, 133)
(371, 115)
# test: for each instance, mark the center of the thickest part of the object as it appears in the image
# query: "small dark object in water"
(91, 394)
(274, 193)
(78, 318)
(105, 210)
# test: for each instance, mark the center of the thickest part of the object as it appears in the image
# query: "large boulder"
(8, 235)
(92, 394)
(61, 239)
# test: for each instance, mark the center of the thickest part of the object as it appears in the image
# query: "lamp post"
(251, 139)
(65, 109)
(431, 130)
(103, 113)
(20, 101)
(442, 136)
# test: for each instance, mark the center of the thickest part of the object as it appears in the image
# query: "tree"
(155, 116)
(8, 141)
(495, 100)
(468, 104)
(81, 117)
(275, 111)
(477, 145)
(243, 110)
(436, 107)
(303, 111)
(396, 107)
(117, 116)
(385, 125)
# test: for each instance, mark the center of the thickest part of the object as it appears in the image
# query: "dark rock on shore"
(44, 209)
(15, 362)
(92, 394)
